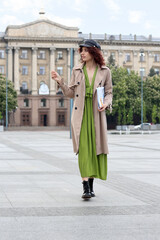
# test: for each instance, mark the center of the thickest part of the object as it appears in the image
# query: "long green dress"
(90, 164)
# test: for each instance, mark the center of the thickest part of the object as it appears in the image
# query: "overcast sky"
(141, 17)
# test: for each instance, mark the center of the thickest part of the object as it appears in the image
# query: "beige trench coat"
(76, 90)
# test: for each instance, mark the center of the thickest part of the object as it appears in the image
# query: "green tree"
(12, 96)
(111, 60)
(119, 117)
(152, 95)
(130, 116)
(151, 72)
(144, 112)
(126, 96)
(158, 114)
(124, 120)
(154, 114)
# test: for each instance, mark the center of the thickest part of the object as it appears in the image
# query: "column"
(69, 66)
(105, 55)
(10, 64)
(16, 69)
(34, 71)
(52, 67)
(76, 56)
(135, 61)
(150, 60)
(121, 60)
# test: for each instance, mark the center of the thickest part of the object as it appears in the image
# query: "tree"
(152, 96)
(124, 120)
(130, 116)
(119, 117)
(158, 114)
(151, 72)
(144, 113)
(12, 96)
(154, 114)
(127, 98)
(111, 60)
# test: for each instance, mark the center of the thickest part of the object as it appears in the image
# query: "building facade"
(30, 51)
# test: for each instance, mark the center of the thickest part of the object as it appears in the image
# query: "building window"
(61, 119)
(59, 54)
(43, 102)
(156, 58)
(24, 54)
(156, 71)
(42, 55)
(24, 70)
(24, 85)
(113, 55)
(2, 69)
(26, 102)
(42, 70)
(128, 57)
(61, 102)
(142, 57)
(128, 70)
(60, 70)
(1, 53)
(142, 72)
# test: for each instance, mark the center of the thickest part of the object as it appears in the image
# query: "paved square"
(40, 189)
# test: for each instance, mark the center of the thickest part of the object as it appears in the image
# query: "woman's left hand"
(102, 108)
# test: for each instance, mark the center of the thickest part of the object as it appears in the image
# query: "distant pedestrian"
(89, 126)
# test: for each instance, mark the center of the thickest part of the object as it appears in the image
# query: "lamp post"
(141, 73)
(7, 49)
(71, 100)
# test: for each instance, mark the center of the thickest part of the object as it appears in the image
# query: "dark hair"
(96, 54)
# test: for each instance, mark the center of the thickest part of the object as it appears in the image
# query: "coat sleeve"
(108, 90)
(68, 90)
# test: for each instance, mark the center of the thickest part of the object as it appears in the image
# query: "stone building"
(30, 51)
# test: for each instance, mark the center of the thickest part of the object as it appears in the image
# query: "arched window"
(42, 83)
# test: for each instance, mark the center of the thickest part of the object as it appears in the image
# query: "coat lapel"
(98, 79)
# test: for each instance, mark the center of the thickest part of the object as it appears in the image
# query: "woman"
(89, 127)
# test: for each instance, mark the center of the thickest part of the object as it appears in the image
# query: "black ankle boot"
(90, 180)
(86, 189)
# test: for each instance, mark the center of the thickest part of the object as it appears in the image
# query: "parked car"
(143, 126)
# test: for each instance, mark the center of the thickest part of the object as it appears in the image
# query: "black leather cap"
(90, 43)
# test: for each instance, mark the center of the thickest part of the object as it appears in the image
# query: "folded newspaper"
(100, 96)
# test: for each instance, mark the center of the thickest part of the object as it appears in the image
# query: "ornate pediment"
(41, 28)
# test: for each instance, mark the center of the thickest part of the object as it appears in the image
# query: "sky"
(90, 16)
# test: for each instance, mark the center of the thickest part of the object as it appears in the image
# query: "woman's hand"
(55, 76)
(102, 108)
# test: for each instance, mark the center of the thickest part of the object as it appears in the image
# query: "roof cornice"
(40, 21)
(43, 39)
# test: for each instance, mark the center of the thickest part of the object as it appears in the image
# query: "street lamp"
(7, 49)
(141, 73)
(71, 100)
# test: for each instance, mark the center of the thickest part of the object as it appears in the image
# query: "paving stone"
(40, 189)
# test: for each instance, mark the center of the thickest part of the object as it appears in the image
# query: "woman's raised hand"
(55, 76)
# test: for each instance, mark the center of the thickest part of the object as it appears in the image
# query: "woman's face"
(85, 55)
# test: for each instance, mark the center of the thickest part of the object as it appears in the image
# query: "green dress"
(90, 164)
